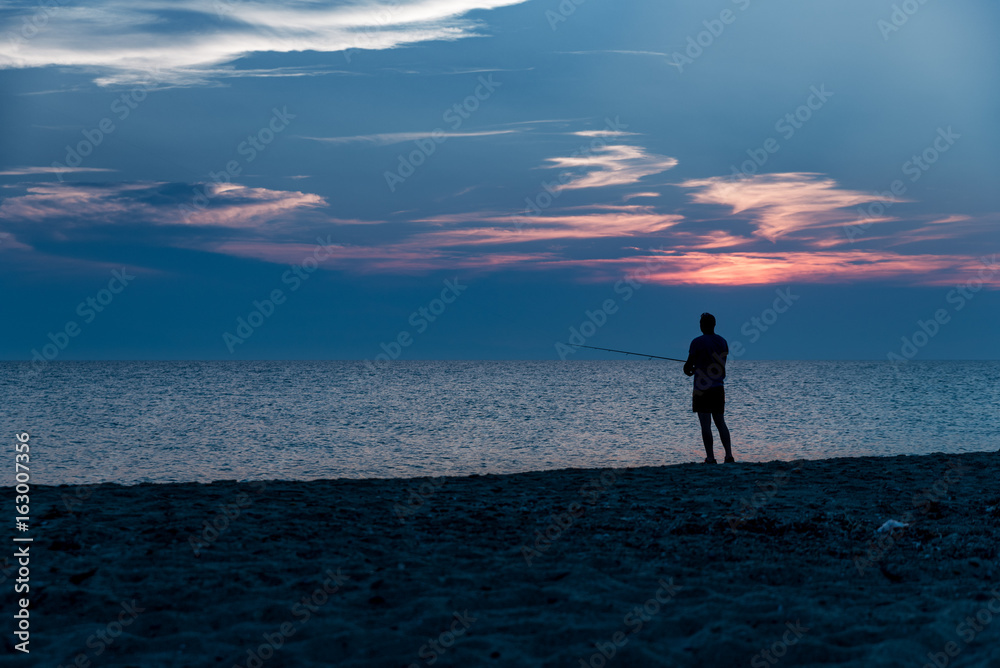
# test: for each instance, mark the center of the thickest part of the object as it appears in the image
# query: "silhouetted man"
(707, 363)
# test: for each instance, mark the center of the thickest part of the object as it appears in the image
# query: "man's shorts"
(712, 400)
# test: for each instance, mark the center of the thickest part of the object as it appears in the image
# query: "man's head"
(707, 323)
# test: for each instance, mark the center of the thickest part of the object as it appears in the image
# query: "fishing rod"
(611, 350)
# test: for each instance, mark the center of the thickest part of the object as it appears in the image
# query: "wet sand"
(692, 565)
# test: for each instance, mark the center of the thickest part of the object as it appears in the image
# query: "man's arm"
(689, 364)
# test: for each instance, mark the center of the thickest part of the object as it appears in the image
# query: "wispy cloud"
(603, 133)
(624, 52)
(617, 221)
(613, 165)
(388, 138)
(781, 205)
(66, 206)
(451, 71)
(388, 258)
(748, 268)
(941, 229)
(34, 171)
(188, 40)
(271, 225)
(672, 267)
(630, 196)
(682, 240)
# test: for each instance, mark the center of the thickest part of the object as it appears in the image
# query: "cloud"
(8, 243)
(387, 258)
(187, 40)
(708, 240)
(273, 72)
(748, 268)
(462, 241)
(430, 71)
(616, 51)
(233, 205)
(941, 229)
(389, 138)
(622, 221)
(66, 206)
(612, 165)
(630, 196)
(270, 225)
(781, 205)
(602, 133)
(32, 171)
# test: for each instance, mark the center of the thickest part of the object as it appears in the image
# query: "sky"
(498, 179)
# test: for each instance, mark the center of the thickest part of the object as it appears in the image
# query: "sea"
(160, 422)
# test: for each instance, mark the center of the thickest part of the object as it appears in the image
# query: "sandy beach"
(756, 565)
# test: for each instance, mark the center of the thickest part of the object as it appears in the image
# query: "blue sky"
(483, 178)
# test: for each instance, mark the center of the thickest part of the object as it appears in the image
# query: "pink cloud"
(67, 201)
(783, 204)
(708, 240)
(747, 268)
(631, 196)
(233, 205)
(805, 208)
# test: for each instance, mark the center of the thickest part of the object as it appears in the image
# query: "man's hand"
(688, 368)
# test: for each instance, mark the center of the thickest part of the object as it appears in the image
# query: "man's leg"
(706, 433)
(720, 424)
